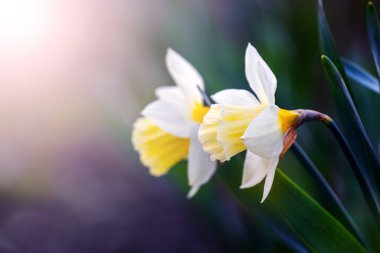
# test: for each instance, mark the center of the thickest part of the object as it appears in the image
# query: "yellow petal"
(233, 121)
(286, 119)
(207, 134)
(158, 149)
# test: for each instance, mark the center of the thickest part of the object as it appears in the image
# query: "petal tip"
(169, 51)
(171, 54)
(244, 186)
(194, 189)
(156, 174)
(264, 198)
(251, 48)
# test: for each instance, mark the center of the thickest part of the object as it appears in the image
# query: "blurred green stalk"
(368, 191)
(332, 198)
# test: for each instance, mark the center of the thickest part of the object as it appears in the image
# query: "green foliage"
(361, 76)
(351, 121)
(287, 198)
(361, 172)
(291, 207)
(326, 41)
(333, 203)
(373, 29)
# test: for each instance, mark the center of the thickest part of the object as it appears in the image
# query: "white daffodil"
(241, 121)
(167, 132)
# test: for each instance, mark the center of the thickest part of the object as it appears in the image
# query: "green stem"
(348, 106)
(206, 98)
(364, 182)
(333, 199)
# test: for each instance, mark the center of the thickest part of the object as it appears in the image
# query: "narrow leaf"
(373, 30)
(288, 198)
(232, 218)
(326, 40)
(288, 205)
(260, 219)
(361, 76)
(360, 145)
(351, 122)
(333, 203)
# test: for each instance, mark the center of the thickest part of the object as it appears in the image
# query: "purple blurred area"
(69, 179)
(97, 200)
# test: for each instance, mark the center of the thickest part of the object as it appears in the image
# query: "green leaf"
(348, 114)
(287, 198)
(230, 216)
(334, 204)
(361, 76)
(326, 40)
(373, 30)
(365, 156)
(351, 122)
(289, 206)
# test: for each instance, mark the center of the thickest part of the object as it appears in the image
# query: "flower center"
(199, 111)
(286, 119)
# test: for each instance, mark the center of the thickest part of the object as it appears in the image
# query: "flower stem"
(314, 173)
(207, 99)
(368, 191)
(367, 188)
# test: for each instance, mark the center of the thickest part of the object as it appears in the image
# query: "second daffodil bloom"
(242, 121)
(167, 132)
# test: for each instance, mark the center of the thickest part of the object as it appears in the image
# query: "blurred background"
(74, 75)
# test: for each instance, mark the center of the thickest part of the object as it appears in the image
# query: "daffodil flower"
(167, 132)
(241, 121)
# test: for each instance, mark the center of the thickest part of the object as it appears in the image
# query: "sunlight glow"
(23, 20)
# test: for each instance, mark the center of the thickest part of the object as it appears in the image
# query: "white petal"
(235, 97)
(264, 136)
(255, 169)
(172, 119)
(185, 76)
(200, 167)
(174, 96)
(269, 179)
(169, 92)
(193, 190)
(259, 76)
